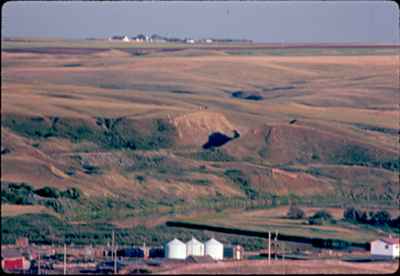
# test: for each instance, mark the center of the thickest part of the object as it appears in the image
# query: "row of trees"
(379, 218)
(351, 214)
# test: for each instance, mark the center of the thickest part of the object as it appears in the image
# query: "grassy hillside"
(150, 137)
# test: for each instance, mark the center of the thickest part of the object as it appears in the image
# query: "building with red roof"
(388, 247)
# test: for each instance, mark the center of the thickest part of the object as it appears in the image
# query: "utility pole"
(276, 244)
(39, 263)
(65, 259)
(113, 252)
(269, 247)
(115, 260)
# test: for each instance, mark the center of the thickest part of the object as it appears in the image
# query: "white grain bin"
(175, 249)
(194, 248)
(214, 249)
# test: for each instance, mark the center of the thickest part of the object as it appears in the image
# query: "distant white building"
(209, 41)
(386, 247)
(120, 38)
(190, 41)
(214, 249)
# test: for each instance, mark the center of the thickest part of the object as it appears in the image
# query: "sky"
(269, 21)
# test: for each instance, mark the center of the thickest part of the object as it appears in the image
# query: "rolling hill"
(129, 131)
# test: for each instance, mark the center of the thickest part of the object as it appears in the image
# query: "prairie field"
(218, 134)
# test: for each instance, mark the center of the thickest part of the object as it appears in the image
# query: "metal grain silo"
(175, 249)
(194, 248)
(214, 249)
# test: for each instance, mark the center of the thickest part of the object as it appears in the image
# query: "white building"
(190, 41)
(214, 249)
(386, 247)
(194, 248)
(120, 38)
(175, 249)
(208, 41)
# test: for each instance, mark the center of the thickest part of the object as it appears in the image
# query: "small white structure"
(214, 249)
(208, 41)
(120, 38)
(386, 247)
(194, 248)
(190, 41)
(175, 249)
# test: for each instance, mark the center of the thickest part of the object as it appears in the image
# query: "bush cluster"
(321, 217)
(119, 133)
(24, 194)
(358, 155)
(239, 178)
(379, 218)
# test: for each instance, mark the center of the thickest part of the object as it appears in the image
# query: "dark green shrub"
(395, 223)
(350, 214)
(48, 192)
(201, 182)
(237, 177)
(295, 212)
(140, 178)
(381, 218)
(17, 193)
(54, 204)
(71, 171)
(90, 169)
(321, 217)
(72, 193)
(315, 156)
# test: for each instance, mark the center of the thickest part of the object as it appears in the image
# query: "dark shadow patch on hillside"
(72, 65)
(271, 89)
(217, 139)
(180, 92)
(246, 95)
(5, 150)
(391, 131)
(298, 82)
(63, 96)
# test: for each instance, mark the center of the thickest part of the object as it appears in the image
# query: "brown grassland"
(325, 126)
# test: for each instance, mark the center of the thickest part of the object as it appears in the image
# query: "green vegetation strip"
(110, 133)
(47, 229)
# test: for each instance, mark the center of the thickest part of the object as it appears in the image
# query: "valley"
(197, 134)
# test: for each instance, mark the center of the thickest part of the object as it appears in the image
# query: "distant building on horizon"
(120, 38)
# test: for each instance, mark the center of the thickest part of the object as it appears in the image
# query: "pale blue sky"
(270, 21)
